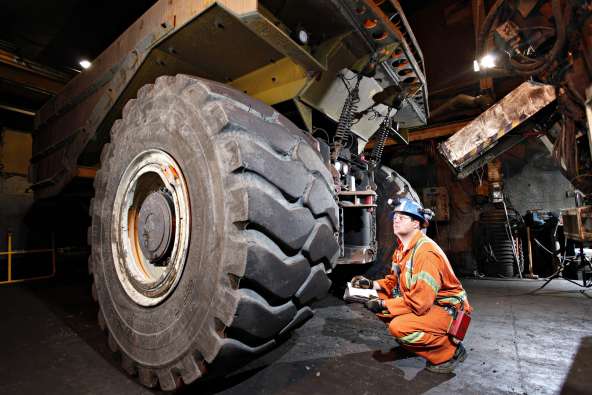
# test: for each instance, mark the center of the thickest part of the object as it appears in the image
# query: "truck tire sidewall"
(387, 188)
(151, 334)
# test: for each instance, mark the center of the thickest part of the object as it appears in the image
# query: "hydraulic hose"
(531, 66)
(541, 64)
(487, 25)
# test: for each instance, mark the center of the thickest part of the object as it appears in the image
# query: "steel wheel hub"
(151, 227)
(156, 226)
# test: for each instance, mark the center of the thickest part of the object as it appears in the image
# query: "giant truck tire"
(213, 226)
(390, 184)
(493, 233)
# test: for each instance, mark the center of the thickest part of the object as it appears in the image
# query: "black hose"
(543, 63)
(534, 66)
(487, 25)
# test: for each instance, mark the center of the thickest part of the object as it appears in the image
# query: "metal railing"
(10, 253)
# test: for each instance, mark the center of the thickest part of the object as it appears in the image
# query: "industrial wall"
(532, 179)
(15, 196)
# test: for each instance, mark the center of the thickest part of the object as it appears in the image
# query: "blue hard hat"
(409, 207)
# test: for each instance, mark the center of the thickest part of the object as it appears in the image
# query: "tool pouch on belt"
(460, 321)
(396, 291)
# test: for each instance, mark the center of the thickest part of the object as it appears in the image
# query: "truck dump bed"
(228, 41)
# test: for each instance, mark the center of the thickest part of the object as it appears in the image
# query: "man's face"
(404, 225)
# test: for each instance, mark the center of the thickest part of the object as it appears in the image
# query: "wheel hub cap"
(156, 227)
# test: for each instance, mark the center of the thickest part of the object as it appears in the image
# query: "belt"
(450, 310)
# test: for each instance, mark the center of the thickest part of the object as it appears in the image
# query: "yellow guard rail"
(12, 252)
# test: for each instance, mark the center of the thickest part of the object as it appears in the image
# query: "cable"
(539, 65)
(533, 66)
(316, 129)
(346, 118)
(542, 246)
(344, 80)
(487, 24)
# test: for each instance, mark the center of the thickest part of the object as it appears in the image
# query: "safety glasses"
(398, 217)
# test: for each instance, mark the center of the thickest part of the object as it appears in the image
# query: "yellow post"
(9, 256)
(12, 252)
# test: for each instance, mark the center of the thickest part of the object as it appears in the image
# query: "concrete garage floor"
(518, 343)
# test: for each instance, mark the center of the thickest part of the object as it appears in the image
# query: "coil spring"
(350, 107)
(381, 136)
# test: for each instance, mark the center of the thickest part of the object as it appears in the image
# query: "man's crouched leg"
(448, 367)
(426, 336)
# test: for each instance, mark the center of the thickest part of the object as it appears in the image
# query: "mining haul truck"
(226, 142)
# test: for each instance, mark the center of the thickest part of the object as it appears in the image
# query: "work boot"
(448, 367)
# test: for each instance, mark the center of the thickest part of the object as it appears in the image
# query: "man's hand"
(362, 282)
(375, 305)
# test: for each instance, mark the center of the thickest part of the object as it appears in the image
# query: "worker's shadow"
(403, 369)
(394, 354)
(421, 382)
(363, 328)
(370, 372)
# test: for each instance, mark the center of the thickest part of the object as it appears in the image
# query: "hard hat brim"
(413, 216)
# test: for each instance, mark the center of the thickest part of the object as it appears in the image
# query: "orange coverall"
(420, 325)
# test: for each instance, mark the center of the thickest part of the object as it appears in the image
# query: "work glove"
(362, 282)
(375, 305)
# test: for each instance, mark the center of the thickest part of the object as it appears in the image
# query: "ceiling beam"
(30, 74)
(19, 110)
(427, 134)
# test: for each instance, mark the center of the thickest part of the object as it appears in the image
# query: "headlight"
(303, 36)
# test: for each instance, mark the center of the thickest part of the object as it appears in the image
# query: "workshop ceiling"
(55, 35)
(59, 33)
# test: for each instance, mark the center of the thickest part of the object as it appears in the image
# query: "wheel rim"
(151, 223)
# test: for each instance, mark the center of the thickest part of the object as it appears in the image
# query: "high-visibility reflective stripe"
(458, 298)
(411, 338)
(448, 300)
(410, 262)
(428, 279)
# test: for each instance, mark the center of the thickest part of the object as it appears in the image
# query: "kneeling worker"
(421, 292)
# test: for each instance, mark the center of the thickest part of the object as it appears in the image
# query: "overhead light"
(486, 62)
(345, 169)
(303, 37)
(85, 64)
